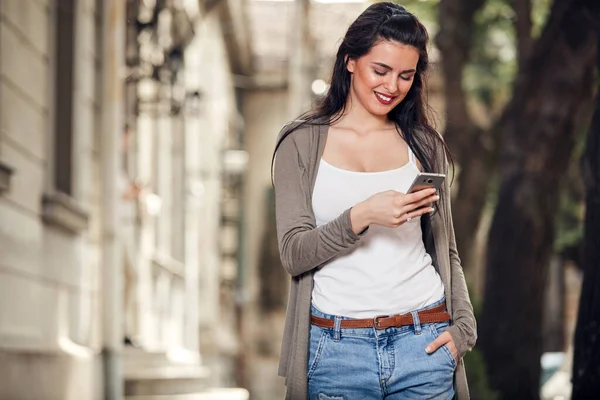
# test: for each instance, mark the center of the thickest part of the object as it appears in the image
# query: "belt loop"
(416, 322)
(336, 328)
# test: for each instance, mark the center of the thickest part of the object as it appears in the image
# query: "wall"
(48, 278)
(265, 114)
(208, 71)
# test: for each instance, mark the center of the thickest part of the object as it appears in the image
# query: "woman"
(378, 305)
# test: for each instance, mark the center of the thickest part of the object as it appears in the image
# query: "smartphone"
(427, 180)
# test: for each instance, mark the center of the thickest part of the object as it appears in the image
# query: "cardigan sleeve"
(302, 245)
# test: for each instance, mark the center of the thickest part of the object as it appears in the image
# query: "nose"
(391, 84)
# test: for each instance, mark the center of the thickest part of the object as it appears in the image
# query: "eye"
(406, 78)
(379, 72)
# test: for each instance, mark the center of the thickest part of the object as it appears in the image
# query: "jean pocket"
(436, 330)
(317, 341)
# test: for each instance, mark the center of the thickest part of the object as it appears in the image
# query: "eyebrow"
(406, 71)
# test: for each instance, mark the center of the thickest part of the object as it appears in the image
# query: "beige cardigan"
(303, 247)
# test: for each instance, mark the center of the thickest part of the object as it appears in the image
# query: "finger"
(437, 343)
(425, 202)
(422, 211)
(414, 214)
(420, 195)
(453, 349)
(397, 222)
(429, 199)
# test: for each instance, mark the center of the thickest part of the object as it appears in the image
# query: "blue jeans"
(367, 363)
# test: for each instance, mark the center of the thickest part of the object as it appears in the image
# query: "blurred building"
(120, 185)
(292, 52)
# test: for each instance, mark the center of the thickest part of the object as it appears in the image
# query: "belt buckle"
(376, 322)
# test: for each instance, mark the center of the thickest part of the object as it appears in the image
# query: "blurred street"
(138, 251)
(135, 193)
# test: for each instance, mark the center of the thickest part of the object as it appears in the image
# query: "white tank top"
(389, 272)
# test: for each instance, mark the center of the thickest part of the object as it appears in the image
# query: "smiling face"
(382, 78)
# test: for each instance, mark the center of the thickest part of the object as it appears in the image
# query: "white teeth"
(384, 98)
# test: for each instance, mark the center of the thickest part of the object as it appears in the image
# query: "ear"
(350, 64)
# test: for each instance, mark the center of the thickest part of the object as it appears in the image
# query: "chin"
(381, 110)
(380, 113)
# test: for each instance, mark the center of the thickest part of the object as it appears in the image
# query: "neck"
(357, 116)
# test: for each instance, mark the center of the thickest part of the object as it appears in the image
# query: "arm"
(464, 329)
(302, 245)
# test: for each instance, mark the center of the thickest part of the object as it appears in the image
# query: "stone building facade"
(49, 235)
(112, 256)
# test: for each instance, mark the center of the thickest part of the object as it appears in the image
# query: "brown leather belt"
(432, 315)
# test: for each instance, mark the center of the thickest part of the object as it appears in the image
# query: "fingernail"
(428, 349)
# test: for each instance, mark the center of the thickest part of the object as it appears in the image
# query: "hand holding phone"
(392, 209)
(426, 180)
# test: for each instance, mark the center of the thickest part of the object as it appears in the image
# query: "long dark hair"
(391, 22)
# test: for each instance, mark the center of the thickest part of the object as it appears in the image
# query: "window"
(63, 95)
(59, 209)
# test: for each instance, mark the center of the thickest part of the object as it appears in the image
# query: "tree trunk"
(477, 166)
(464, 138)
(538, 132)
(586, 362)
(523, 25)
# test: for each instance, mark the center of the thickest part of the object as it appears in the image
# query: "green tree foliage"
(425, 10)
(492, 65)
